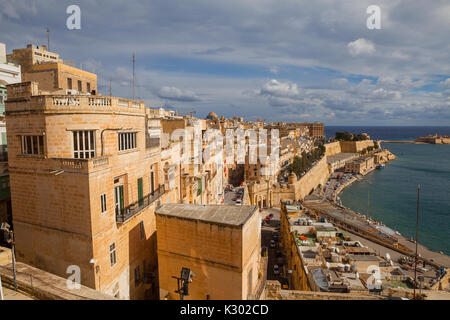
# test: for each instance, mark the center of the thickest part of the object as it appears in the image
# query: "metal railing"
(137, 206)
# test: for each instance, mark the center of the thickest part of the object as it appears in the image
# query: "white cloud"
(274, 70)
(360, 46)
(280, 89)
(173, 93)
(341, 82)
(445, 84)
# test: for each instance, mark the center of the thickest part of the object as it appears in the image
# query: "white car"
(276, 269)
(272, 243)
(238, 202)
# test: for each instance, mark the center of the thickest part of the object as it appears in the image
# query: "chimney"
(44, 47)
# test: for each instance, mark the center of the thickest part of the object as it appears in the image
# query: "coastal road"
(350, 217)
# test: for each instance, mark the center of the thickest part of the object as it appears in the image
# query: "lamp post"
(183, 282)
(5, 227)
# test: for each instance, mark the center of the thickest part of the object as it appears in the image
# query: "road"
(230, 195)
(267, 231)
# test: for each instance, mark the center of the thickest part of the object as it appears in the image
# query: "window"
(137, 275)
(112, 254)
(152, 182)
(88, 87)
(84, 144)
(80, 86)
(103, 202)
(118, 199)
(32, 145)
(69, 83)
(142, 230)
(140, 192)
(1, 98)
(127, 141)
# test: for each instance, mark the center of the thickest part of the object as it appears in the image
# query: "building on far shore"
(220, 244)
(434, 139)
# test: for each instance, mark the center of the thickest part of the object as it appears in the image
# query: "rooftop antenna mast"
(133, 59)
(47, 30)
(417, 241)
(110, 91)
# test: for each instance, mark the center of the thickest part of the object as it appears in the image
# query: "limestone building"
(51, 72)
(85, 180)
(9, 73)
(220, 244)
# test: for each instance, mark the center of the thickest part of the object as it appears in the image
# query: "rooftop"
(231, 215)
(359, 257)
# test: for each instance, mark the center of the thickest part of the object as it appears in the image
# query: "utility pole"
(133, 60)
(47, 30)
(417, 241)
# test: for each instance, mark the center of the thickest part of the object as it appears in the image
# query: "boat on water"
(380, 166)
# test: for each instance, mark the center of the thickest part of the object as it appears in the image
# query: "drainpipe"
(101, 135)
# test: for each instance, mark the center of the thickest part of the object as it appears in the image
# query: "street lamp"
(183, 282)
(9, 238)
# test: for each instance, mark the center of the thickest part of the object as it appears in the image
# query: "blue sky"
(261, 59)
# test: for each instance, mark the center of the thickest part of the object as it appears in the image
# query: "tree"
(344, 136)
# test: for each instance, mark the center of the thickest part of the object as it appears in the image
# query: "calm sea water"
(393, 190)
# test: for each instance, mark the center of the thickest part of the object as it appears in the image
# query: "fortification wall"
(355, 146)
(332, 148)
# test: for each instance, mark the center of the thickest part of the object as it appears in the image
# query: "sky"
(280, 60)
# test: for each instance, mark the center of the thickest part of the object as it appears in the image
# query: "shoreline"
(378, 223)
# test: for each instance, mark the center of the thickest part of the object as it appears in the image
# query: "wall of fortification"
(355, 146)
(318, 175)
(332, 148)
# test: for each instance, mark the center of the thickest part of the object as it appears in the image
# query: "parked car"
(271, 215)
(276, 269)
(268, 217)
(239, 202)
(272, 244)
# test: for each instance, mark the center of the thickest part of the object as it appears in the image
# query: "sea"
(389, 195)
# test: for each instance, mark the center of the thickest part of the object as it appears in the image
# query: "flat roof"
(231, 215)
(359, 257)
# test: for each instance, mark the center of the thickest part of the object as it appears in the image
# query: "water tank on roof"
(347, 268)
(341, 267)
(354, 267)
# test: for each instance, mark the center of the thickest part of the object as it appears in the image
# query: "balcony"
(79, 165)
(136, 207)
